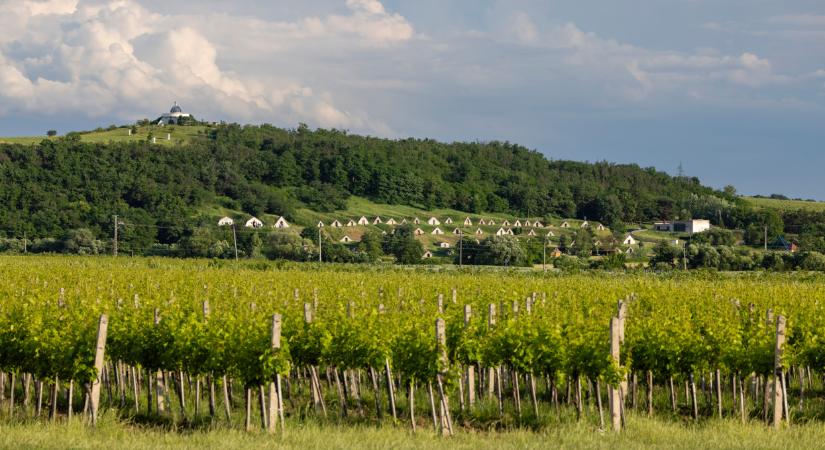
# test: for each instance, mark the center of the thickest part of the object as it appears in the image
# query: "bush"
(812, 261)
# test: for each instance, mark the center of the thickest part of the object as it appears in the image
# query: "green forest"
(62, 186)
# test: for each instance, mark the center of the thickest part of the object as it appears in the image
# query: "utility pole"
(460, 249)
(25, 244)
(544, 256)
(766, 238)
(320, 259)
(235, 240)
(114, 246)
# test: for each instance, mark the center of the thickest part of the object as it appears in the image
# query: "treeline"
(52, 188)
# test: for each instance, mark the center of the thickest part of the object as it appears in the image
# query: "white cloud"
(118, 59)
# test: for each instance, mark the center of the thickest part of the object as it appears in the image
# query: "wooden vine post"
(778, 387)
(276, 404)
(471, 371)
(614, 393)
(160, 386)
(443, 369)
(100, 353)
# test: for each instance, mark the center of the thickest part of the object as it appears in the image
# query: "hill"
(166, 189)
(779, 204)
(164, 135)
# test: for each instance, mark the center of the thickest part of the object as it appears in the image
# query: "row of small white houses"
(254, 222)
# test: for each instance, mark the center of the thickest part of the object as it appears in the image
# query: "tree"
(51, 133)
(403, 245)
(371, 245)
(503, 251)
(666, 254)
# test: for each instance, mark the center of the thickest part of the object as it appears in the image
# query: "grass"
(642, 433)
(178, 135)
(785, 205)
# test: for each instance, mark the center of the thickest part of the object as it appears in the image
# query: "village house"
(281, 223)
(683, 226)
(226, 222)
(254, 223)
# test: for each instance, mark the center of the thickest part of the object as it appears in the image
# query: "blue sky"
(734, 90)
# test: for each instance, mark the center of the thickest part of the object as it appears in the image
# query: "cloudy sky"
(734, 90)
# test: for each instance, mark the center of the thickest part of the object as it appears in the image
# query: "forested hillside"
(64, 184)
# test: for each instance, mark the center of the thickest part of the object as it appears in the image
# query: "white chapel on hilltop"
(174, 116)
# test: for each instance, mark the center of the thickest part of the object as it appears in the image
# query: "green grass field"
(177, 135)
(785, 205)
(641, 433)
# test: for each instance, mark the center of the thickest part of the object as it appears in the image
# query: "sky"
(731, 90)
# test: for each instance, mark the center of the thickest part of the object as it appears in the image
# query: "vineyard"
(259, 348)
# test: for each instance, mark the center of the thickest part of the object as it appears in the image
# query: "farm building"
(377, 221)
(479, 232)
(437, 232)
(351, 223)
(416, 221)
(527, 223)
(538, 224)
(254, 223)
(403, 221)
(444, 244)
(345, 239)
(335, 224)
(427, 255)
(501, 232)
(457, 231)
(468, 222)
(320, 224)
(225, 222)
(363, 221)
(481, 222)
(600, 227)
(629, 240)
(418, 232)
(585, 224)
(391, 221)
(506, 223)
(517, 223)
(449, 221)
(281, 223)
(432, 221)
(531, 233)
(683, 226)
(565, 224)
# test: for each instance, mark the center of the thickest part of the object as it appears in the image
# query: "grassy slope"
(785, 205)
(179, 134)
(641, 434)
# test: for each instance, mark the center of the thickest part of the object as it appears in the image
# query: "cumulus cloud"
(119, 59)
